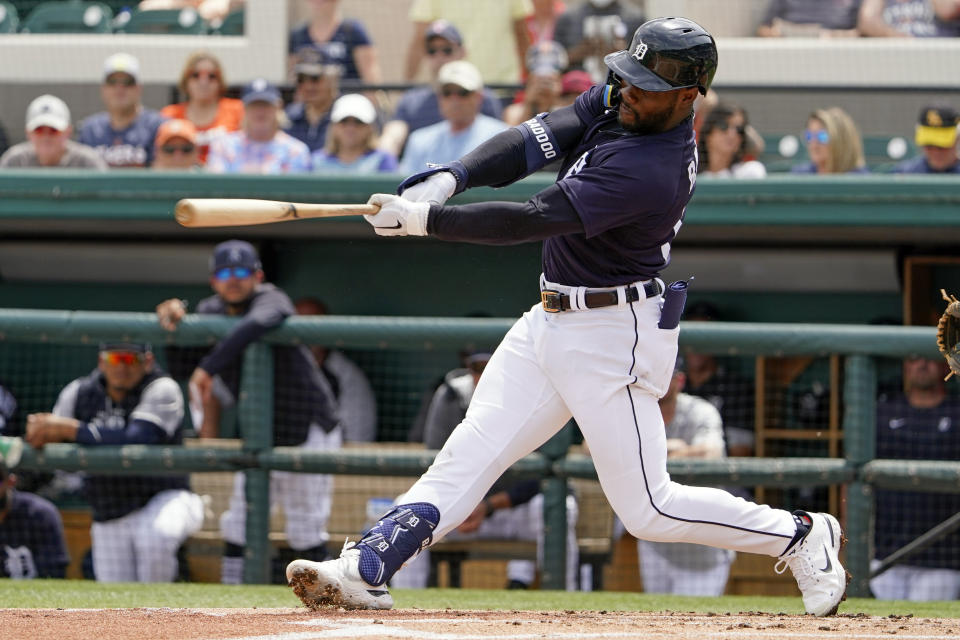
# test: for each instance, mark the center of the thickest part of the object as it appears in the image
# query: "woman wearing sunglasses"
(833, 144)
(722, 145)
(352, 140)
(203, 83)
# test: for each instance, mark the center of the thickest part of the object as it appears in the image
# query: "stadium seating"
(9, 20)
(232, 25)
(882, 153)
(72, 16)
(164, 21)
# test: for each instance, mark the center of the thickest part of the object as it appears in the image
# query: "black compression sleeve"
(502, 159)
(546, 214)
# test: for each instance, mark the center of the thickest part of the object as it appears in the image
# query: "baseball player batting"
(594, 348)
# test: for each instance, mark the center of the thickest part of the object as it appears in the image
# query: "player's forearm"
(547, 214)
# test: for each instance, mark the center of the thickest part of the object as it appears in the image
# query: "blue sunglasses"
(237, 272)
(820, 136)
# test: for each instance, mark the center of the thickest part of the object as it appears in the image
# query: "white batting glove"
(436, 189)
(398, 216)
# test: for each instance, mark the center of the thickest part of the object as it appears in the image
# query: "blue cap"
(443, 29)
(234, 253)
(260, 91)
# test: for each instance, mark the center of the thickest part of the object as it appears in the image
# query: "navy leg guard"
(398, 535)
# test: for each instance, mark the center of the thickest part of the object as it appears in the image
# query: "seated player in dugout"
(600, 347)
(139, 521)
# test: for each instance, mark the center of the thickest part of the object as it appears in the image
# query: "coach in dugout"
(305, 409)
(139, 521)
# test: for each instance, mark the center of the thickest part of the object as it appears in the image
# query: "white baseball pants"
(142, 545)
(305, 498)
(606, 367)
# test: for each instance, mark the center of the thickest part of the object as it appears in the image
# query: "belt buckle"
(550, 299)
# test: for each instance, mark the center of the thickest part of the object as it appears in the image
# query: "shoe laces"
(801, 567)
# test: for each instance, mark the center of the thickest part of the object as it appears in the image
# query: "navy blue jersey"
(919, 164)
(909, 433)
(131, 147)
(31, 539)
(349, 35)
(630, 191)
(302, 394)
(156, 401)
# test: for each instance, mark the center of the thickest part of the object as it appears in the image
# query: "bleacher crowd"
(310, 125)
(554, 51)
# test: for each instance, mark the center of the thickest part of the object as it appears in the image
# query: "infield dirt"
(301, 624)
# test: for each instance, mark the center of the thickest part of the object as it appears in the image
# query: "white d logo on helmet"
(640, 51)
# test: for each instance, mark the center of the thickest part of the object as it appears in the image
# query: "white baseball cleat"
(336, 583)
(815, 564)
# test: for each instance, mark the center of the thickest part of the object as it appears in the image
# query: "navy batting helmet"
(666, 54)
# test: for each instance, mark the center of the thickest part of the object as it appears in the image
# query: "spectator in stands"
(694, 430)
(543, 21)
(124, 133)
(260, 147)
(722, 145)
(318, 85)
(304, 408)
(595, 28)
(176, 146)
(203, 83)
(460, 93)
(936, 134)
(139, 521)
(419, 107)
(358, 406)
(48, 141)
(495, 36)
(712, 379)
(213, 11)
(510, 510)
(921, 423)
(833, 144)
(351, 140)
(816, 18)
(344, 42)
(908, 18)
(572, 84)
(32, 544)
(546, 61)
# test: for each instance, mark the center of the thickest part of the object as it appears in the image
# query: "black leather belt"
(554, 302)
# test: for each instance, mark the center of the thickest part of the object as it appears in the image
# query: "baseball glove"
(948, 333)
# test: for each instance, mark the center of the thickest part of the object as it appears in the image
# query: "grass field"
(75, 594)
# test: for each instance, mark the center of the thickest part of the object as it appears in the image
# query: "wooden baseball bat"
(231, 212)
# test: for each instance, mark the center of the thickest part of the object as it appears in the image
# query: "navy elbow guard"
(539, 144)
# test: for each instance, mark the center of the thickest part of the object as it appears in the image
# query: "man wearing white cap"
(124, 133)
(48, 140)
(460, 93)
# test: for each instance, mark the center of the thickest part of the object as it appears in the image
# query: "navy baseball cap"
(234, 253)
(261, 91)
(443, 29)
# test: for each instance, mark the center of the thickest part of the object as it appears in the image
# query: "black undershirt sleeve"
(548, 213)
(502, 159)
